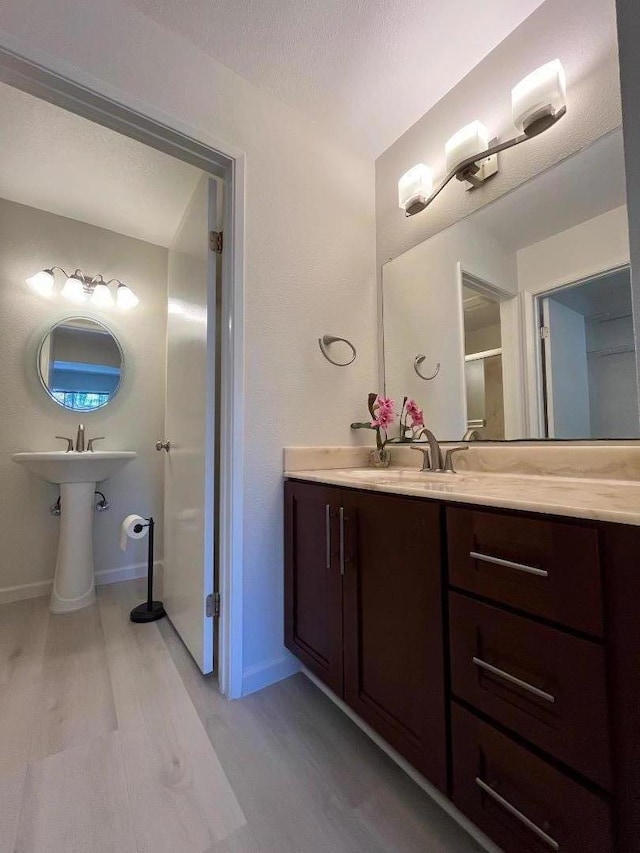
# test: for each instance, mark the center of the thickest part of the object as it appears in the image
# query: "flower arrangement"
(383, 416)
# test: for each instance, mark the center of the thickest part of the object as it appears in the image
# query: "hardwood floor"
(111, 741)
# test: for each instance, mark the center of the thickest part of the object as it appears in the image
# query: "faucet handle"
(68, 440)
(426, 459)
(91, 440)
(448, 457)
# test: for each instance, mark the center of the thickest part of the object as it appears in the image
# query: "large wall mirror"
(526, 305)
(80, 364)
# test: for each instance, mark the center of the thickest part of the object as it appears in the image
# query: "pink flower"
(384, 410)
(415, 413)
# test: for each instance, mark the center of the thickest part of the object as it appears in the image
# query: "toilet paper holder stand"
(149, 610)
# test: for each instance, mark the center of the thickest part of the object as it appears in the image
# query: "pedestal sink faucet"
(80, 441)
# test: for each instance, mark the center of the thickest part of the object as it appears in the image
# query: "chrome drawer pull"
(513, 680)
(509, 564)
(341, 540)
(506, 805)
(328, 534)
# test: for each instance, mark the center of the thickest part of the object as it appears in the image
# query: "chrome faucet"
(80, 439)
(432, 458)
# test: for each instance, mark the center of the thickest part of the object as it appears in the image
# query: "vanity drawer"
(547, 568)
(541, 683)
(517, 799)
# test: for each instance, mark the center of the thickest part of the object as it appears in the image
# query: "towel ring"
(417, 361)
(327, 340)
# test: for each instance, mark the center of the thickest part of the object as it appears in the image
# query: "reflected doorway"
(482, 362)
(588, 359)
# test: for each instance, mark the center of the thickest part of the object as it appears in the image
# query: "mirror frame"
(43, 382)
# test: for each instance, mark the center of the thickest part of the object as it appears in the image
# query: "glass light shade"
(126, 297)
(73, 289)
(415, 186)
(543, 92)
(470, 140)
(101, 295)
(41, 282)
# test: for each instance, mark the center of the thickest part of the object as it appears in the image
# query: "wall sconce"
(82, 288)
(537, 103)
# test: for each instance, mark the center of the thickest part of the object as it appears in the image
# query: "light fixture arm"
(465, 170)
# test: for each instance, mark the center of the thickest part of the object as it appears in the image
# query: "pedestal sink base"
(73, 584)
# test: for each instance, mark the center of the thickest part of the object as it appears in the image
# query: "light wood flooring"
(111, 741)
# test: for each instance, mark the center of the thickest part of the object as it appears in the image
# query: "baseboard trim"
(435, 794)
(38, 589)
(265, 674)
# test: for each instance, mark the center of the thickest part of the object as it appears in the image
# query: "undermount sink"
(58, 466)
(76, 474)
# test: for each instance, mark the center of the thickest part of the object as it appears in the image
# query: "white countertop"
(600, 499)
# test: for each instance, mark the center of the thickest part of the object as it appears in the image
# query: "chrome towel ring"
(417, 361)
(326, 341)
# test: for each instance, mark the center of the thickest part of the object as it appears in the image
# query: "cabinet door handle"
(506, 805)
(341, 540)
(509, 564)
(513, 680)
(328, 533)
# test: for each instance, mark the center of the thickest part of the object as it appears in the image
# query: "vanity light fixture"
(537, 103)
(42, 282)
(82, 288)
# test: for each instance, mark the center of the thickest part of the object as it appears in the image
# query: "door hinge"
(544, 332)
(213, 604)
(216, 241)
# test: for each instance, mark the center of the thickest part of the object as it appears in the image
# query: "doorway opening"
(483, 354)
(212, 603)
(587, 358)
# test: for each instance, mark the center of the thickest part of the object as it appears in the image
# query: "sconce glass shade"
(101, 295)
(42, 282)
(415, 187)
(541, 93)
(73, 289)
(126, 298)
(471, 139)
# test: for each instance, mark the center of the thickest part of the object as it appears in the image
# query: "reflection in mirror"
(80, 364)
(527, 306)
(589, 359)
(483, 361)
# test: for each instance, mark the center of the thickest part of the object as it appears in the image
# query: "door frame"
(535, 380)
(59, 83)
(510, 329)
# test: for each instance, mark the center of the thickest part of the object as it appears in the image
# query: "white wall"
(594, 246)
(581, 34)
(309, 256)
(423, 314)
(30, 240)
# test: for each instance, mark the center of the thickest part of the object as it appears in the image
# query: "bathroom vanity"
(486, 626)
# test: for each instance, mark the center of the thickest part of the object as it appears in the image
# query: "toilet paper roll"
(133, 527)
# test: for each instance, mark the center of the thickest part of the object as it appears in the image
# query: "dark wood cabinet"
(363, 611)
(394, 659)
(313, 584)
(545, 567)
(497, 651)
(523, 803)
(539, 682)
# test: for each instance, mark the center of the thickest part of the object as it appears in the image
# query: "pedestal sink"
(77, 475)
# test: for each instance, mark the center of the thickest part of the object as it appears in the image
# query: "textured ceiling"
(64, 164)
(367, 69)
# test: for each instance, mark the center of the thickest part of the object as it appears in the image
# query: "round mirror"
(80, 364)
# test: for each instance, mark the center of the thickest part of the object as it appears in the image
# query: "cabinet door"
(394, 672)
(313, 584)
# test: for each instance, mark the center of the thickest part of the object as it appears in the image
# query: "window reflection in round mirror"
(80, 364)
